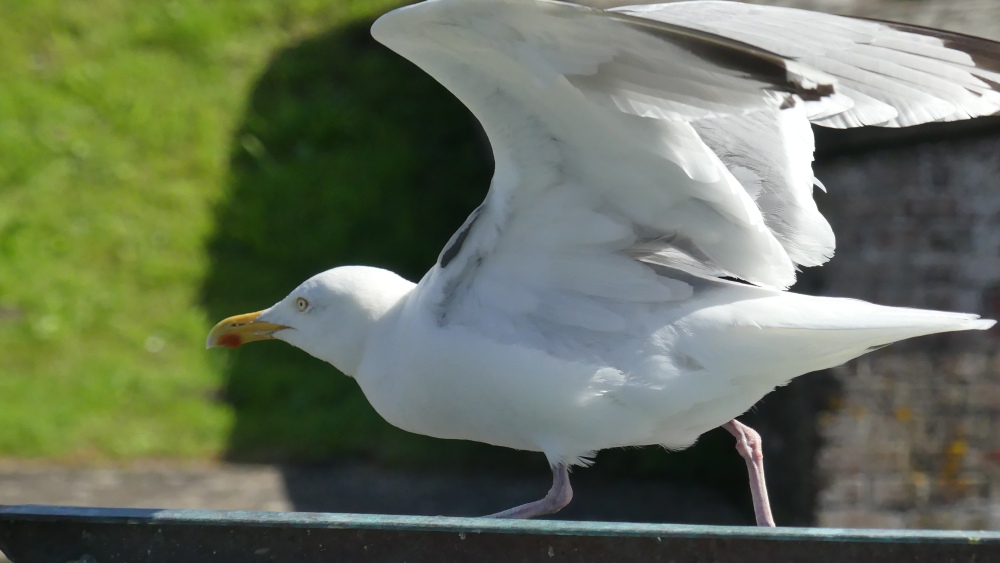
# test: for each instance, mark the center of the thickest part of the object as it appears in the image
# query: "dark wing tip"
(731, 54)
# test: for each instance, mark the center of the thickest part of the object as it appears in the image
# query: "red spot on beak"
(229, 340)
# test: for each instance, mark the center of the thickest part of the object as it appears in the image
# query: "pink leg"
(558, 497)
(748, 444)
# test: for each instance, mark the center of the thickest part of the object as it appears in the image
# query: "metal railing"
(44, 534)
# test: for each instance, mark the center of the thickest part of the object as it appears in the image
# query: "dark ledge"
(31, 534)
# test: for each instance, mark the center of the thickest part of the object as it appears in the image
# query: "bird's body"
(680, 370)
(645, 157)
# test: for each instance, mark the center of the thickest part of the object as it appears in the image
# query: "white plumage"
(642, 154)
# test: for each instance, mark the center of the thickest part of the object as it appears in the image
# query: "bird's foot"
(557, 498)
(748, 443)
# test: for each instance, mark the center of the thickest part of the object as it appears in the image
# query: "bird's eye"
(301, 304)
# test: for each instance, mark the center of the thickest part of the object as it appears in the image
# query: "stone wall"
(912, 440)
(911, 434)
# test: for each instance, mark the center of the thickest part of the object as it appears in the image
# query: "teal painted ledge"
(31, 534)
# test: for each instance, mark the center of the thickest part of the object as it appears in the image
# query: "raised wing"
(623, 137)
(897, 74)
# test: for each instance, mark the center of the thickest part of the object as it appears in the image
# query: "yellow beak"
(234, 331)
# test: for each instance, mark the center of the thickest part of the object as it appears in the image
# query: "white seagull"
(646, 158)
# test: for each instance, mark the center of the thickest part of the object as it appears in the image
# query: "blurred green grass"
(118, 123)
(164, 165)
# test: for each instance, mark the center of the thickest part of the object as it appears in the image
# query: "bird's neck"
(367, 308)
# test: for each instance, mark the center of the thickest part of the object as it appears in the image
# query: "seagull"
(624, 281)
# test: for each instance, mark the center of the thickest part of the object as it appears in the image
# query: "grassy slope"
(117, 124)
(158, 166)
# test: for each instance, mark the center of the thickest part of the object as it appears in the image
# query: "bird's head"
(329, 316)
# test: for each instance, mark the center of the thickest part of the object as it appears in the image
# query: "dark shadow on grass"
(346, 155)
(349, 155)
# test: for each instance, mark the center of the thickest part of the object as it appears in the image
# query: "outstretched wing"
(623, 137)
(897, 74)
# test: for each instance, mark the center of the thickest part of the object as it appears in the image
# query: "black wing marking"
(454, 245)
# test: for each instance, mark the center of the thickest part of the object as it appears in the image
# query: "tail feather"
(786, 335)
